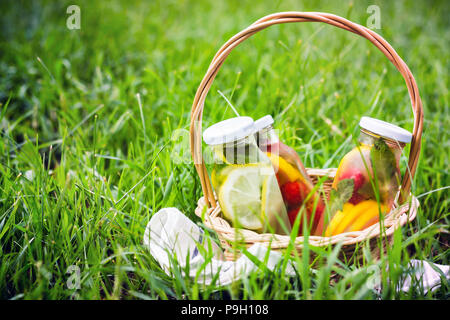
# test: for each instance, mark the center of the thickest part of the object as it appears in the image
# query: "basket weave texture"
(208, 207)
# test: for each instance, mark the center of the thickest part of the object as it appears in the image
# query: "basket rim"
(396, 218)
(399, 216)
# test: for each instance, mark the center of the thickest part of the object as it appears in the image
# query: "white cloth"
(423, 271)
(171, 236)
(170, 233)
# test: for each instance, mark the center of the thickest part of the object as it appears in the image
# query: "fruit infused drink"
(295, 184)
(243, 178)
(373, 166)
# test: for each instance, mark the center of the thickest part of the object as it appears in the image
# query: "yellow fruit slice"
(368, 218)
(353, 214)
(240, 197)
(284, 169)
(336, 220)
(218, 175)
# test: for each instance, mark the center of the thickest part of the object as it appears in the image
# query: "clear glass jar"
(374, 165)
(295, 184)
(243, 178)
(381, 165)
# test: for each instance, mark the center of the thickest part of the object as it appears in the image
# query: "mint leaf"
(340, 196)
(385, 169)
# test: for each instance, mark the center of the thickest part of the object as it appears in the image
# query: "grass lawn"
(84, 165)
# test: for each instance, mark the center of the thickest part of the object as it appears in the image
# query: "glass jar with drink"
(295, 184)
(374, 169)
(243, 178)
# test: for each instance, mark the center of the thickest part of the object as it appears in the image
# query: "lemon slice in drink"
(240, 197)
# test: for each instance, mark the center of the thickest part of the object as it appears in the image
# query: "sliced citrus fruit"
(368, 218)
(286, 172)
(240, 197)
(219, 174)
(353, 214)
(337, 219)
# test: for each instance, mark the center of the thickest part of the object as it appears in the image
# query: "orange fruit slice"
(368, 218)
(353, 214)
(285, 171)
(337, 219)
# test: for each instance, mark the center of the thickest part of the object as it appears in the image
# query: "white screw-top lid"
(263, 122)
(385, 129)
(228, 130)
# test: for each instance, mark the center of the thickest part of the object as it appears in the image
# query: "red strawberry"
(356, 175)
(358, 179)
(292, 214)
(320, 212)
(356, 198)
(294, 193)
(320, 207)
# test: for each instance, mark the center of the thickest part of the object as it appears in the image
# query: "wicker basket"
(208, 207)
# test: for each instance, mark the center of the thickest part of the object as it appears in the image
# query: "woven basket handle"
(289, 17)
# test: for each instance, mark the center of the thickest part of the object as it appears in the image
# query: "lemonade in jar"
(243, 178)
(295, 184)
(374, 169)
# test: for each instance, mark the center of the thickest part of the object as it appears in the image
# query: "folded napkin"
(170, 233)
(171, 236)
(424, 272)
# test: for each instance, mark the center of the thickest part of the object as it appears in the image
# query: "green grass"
(83, 167)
